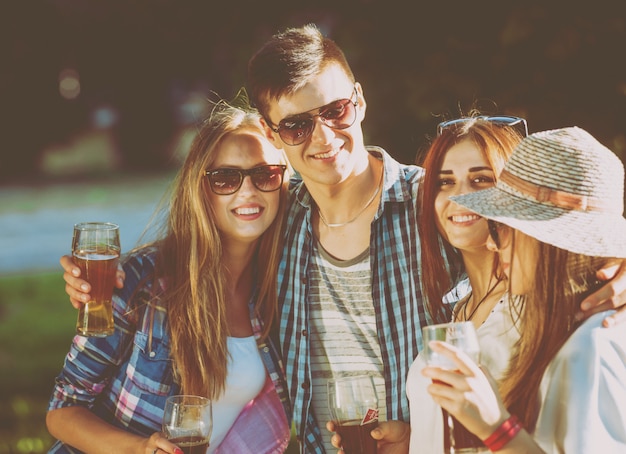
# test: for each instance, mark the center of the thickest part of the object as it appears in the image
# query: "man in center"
(349, 279)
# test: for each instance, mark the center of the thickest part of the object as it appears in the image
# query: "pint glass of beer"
(96, 251)
(353, 405)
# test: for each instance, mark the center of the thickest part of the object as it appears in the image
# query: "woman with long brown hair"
(466, 156)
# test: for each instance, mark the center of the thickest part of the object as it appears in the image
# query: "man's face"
(328, 156)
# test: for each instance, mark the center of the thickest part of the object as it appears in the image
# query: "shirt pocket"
(150, 369)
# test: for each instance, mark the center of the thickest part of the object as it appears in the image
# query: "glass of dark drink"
(353, 406)
(188, 422)
(96, 251)
(456, 438)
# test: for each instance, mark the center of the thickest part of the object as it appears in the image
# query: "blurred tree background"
(140, 68)
(104, 87)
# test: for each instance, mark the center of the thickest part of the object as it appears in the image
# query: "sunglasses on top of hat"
(295, 129)
(266, 178)
(502, 120)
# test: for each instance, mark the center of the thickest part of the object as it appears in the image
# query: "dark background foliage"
(556, 63)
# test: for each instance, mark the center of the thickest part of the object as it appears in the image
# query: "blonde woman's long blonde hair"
(190, 259)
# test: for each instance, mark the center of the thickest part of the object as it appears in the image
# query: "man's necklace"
(369, 202)
(482, 300)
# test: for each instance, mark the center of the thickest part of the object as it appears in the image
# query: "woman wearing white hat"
(555, 216)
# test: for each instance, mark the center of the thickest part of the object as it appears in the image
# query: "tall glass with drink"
(457, 439)
(188, 422)
(353, 405)
(96, 251)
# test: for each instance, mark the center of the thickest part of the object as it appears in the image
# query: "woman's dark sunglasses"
(294, 130)
(227, 181)
(504, 120)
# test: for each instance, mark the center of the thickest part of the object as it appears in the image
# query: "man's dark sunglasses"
(503, 120)
(265, 178)
(295, 129)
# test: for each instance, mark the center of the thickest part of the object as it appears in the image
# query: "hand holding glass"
(353, 406)
(457, 439)
(188, 422)
(96, 251)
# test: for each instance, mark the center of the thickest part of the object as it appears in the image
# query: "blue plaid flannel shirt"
(125, 378)
(394, 258)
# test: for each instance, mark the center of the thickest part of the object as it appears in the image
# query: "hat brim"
(589, 233)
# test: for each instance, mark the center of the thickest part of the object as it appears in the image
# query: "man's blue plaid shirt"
(394, 258)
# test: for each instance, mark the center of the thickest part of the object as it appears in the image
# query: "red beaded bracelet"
(503, 434)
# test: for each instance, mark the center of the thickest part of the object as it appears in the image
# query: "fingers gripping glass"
(504, 120)
(339, 114)
(227, 181)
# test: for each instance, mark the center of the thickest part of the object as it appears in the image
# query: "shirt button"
(305, 385)
(266, 349)
(152, 354)
(304, 333)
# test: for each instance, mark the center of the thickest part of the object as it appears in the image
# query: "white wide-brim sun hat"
(562, 187)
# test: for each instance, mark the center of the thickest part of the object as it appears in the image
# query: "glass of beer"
(456, 438)
(188, 422)
(96, 251)
(353, 406)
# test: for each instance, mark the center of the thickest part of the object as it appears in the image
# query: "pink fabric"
(260, 428)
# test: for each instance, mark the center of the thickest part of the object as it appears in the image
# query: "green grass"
(36, 327)
(37, 324)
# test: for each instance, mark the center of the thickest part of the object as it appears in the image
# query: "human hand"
(467, 393)
(158, 444)
(336, 438)
(78, 289)
(393, 437)
(612, 295)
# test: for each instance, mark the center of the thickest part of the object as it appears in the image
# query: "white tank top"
(245, 379)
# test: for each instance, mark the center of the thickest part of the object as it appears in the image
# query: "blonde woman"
(195, 311)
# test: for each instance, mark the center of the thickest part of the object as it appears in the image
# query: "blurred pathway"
(36, 222)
